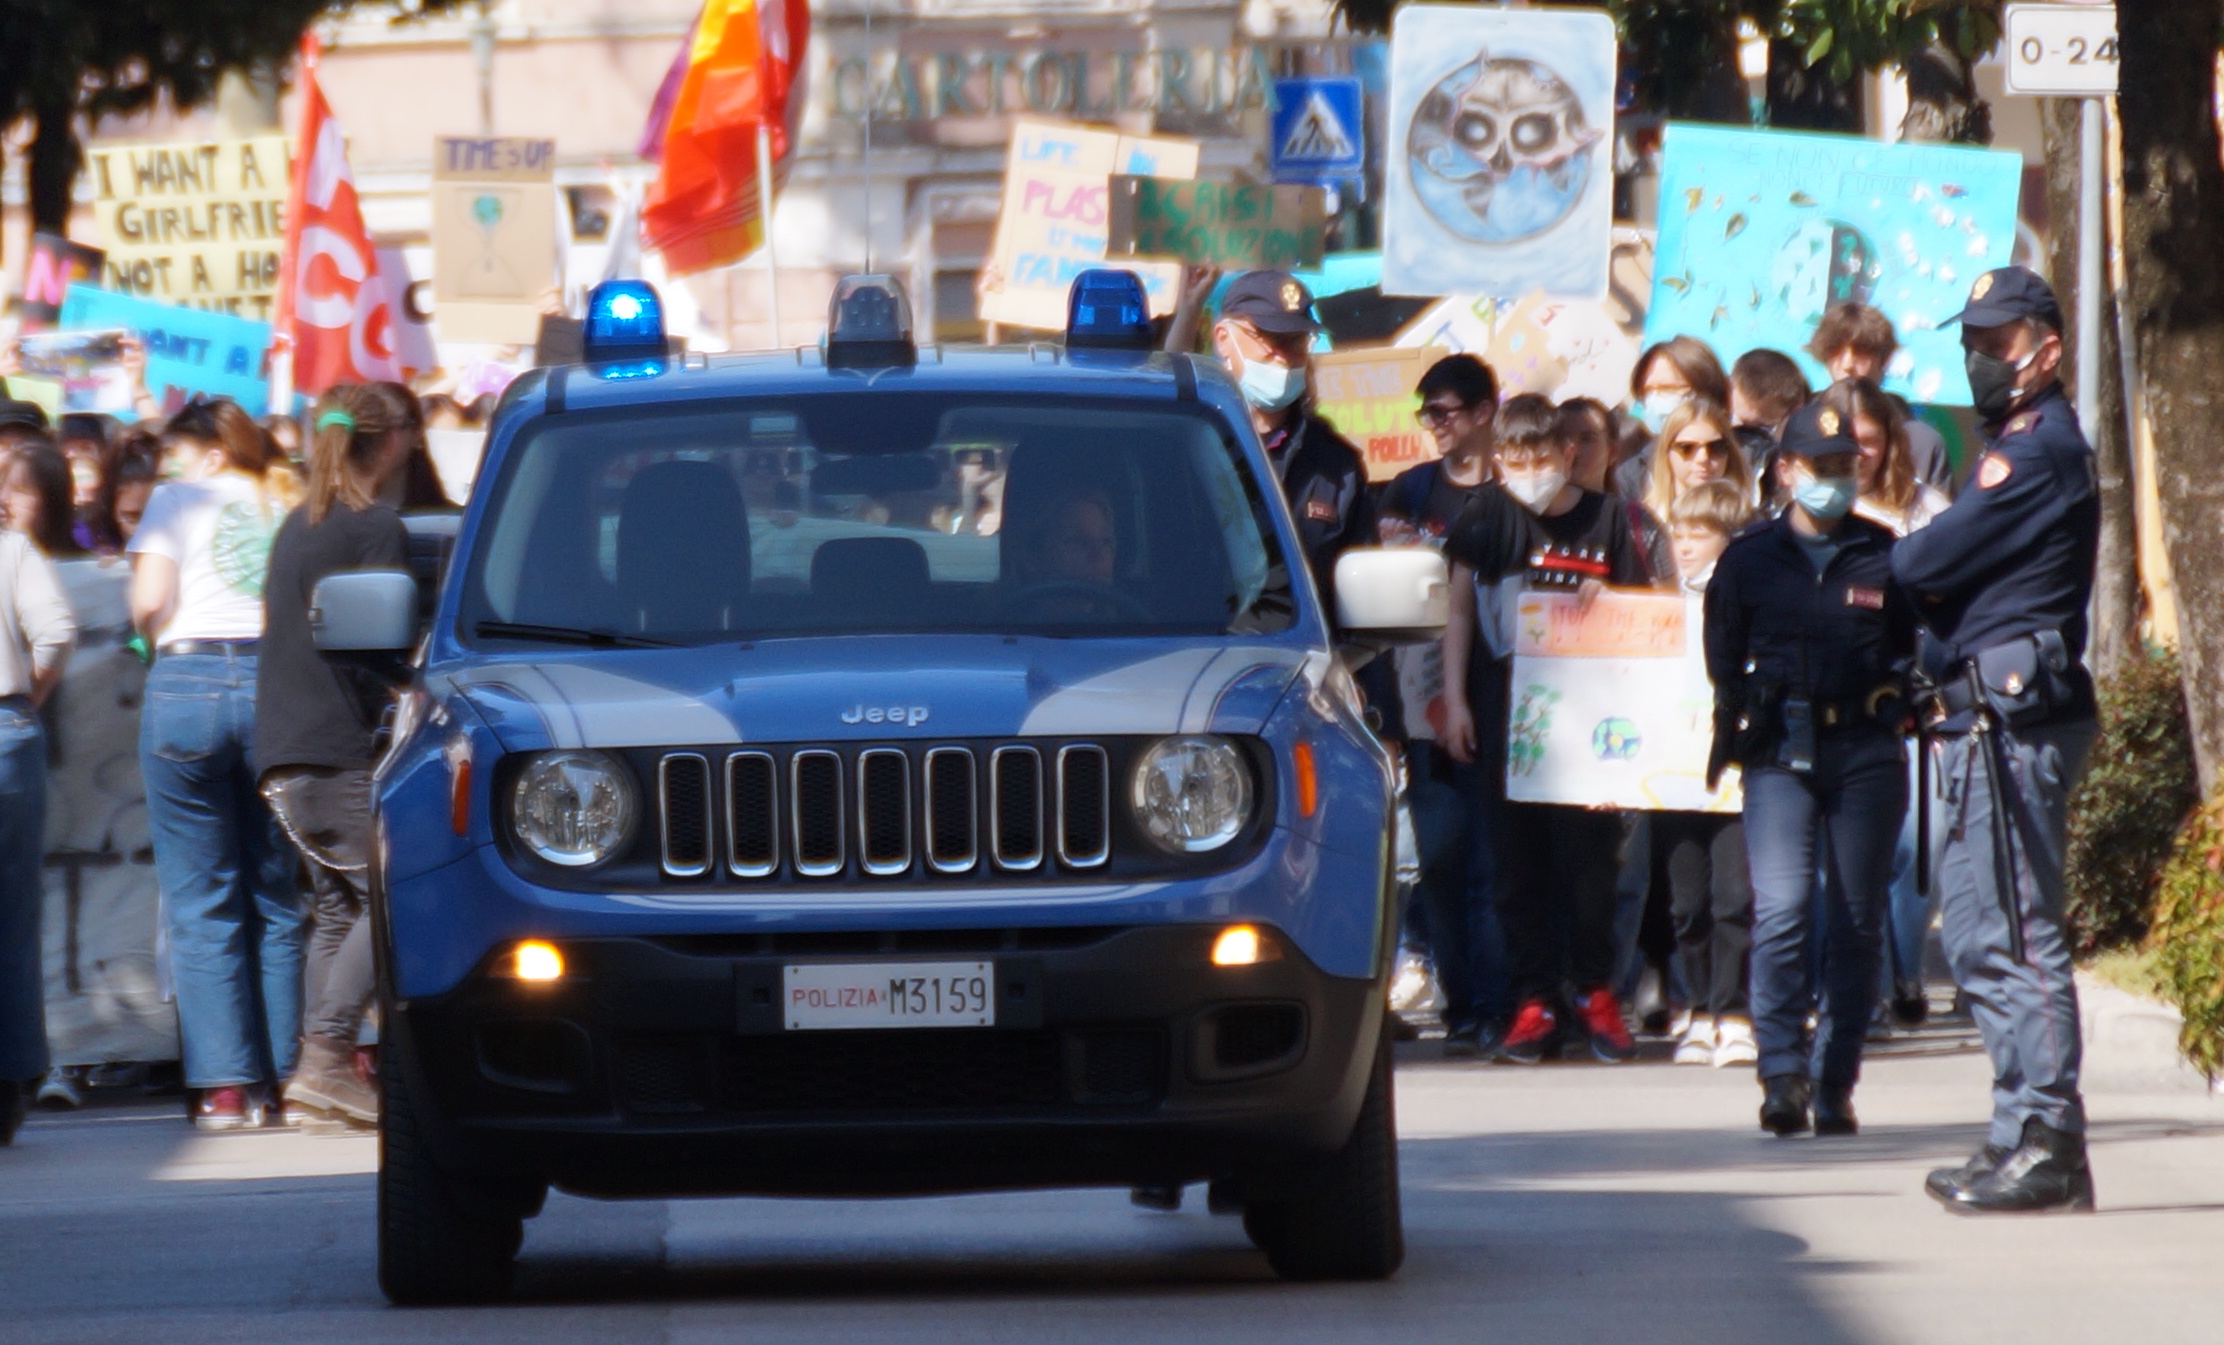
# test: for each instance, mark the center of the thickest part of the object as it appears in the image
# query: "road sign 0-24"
(2066, 51)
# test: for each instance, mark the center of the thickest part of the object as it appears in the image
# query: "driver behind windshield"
(1074, 543)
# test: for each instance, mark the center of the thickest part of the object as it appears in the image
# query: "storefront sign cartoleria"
(195, 223)
(1175, 84)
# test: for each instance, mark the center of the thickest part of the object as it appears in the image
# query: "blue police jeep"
(873, 770)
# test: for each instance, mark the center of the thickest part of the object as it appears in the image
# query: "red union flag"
(331, 299)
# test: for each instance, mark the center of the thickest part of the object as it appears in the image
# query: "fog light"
(537, 961)
(1239, 946)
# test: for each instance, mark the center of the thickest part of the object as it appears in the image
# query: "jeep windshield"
(869, 513)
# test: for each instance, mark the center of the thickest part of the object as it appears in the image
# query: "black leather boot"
(1834, 1110)
(2046, 1172)
(1943, 1182)
(1784, 1104)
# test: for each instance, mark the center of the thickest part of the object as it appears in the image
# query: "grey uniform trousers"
(2026, 1010)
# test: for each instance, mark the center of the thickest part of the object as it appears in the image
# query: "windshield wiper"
(597, 639)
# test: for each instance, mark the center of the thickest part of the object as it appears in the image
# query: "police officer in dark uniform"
(1265, 338)
(1808, 643)
(2001, 581)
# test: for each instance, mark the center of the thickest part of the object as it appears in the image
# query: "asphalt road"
(1573, 1203)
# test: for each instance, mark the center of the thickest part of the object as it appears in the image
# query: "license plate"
(888, 994)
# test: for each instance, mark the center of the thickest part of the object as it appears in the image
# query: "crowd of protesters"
(254, 751)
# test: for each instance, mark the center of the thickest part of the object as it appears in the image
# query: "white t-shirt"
(218, 532)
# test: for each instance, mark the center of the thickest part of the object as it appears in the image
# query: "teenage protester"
(1452, 814)
(128, 475)
(315, 719)
(1668, 374)
(1854, 340)
(1808, 642)
(35, 490)
(36, 633)
(199, 560)
(1535, 526)
(1701, 856)
(1697, 444)
(1766, 386)
(1891, 495)
(1265, 339)
(2002, 580)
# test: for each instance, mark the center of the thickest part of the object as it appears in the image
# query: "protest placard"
(188, 351)
(1611, 706)
(52, 266)
(1052, 224)
(1236, 226)
(193, 223)
(87, 366)
(1368, 396)
(493, 236)
(1498, 171)
(1559, 348)
(1761, 232)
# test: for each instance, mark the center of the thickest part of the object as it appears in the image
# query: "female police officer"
(1808, 639)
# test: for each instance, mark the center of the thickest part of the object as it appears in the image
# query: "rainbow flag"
(703, 210)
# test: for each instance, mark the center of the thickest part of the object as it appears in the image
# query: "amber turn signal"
(536, 961)
(1242, 946)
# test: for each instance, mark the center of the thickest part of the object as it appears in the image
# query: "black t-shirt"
(1497, 537)
(1428, 498)
(310, 712)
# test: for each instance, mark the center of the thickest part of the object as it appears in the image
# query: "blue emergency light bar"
(1107, 310)
(868, 325)
(625, 324)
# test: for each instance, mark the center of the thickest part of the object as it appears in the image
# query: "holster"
(2026, 680)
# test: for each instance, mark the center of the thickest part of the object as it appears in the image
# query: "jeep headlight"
(574, 809)
(1191, 794)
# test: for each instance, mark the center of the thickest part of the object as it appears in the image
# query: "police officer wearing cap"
(1808, 640)
(1265, 338)
(2001, 582)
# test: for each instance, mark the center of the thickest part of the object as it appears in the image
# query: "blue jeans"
(22, 894)
(1453, 812)
(1839, 820)
(237, 918)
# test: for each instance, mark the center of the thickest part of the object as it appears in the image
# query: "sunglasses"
(1713, 448)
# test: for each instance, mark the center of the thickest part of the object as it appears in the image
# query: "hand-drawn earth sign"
(1499, 150)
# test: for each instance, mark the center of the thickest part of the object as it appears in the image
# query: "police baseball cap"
(2007, 295)
(1275, 302)
(1818, 430)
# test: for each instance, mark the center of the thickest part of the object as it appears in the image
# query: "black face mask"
(1992, 382)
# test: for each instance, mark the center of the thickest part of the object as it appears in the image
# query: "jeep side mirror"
(1391, 595)
(365, 611)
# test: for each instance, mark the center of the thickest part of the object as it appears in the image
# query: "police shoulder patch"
(1993, 470)
(2022, 424)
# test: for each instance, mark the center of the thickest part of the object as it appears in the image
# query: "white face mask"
(1537, 489)
(1661, 403)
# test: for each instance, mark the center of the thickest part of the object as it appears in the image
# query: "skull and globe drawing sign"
(1499, 180)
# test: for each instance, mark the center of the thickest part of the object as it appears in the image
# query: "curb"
(2131, 1042)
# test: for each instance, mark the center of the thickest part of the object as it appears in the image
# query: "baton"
(1922, 814)
(2003, 858)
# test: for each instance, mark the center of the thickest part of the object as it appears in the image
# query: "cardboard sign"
(1368, 396)
(1234, 226)
(1498, 172)
(1052, 225)
(87, 366)
(1761, 232)
(493, 236)
(1612, 707)
(193, 223)
(188, 351)
(52, 266)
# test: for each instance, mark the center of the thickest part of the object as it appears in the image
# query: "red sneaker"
(221, 1108)
(1610, 1039)
(1534, 1028)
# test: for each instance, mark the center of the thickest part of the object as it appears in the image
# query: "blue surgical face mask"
(1828, 498)
(1659, 404)
(1270, 387)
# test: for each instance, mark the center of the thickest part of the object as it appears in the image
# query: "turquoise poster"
(188, 351)
(1762, 231)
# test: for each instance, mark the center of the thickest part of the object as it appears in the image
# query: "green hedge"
(2187, 938)
(2127, 812)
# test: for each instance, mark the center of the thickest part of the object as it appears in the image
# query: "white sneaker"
(1697, 1045)
(1734, 1044)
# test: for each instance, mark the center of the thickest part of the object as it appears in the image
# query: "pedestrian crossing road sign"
(1319, 130)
